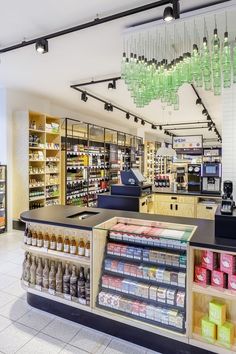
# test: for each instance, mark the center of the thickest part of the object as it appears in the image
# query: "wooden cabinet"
(163, 208)
(185, 210)
(205, 211)
(143, 205)
(174, 205)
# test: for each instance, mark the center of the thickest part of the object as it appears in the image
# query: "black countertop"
(186, 193)
(203, 237)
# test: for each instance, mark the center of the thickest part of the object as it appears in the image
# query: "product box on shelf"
(232, 282)
(225, 334)
(208, 329)
(218, 279)
(217, 312)
(227, 263)
(209, 260)
(202, 275)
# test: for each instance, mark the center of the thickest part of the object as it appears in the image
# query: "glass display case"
(3, 198)
(144, 271)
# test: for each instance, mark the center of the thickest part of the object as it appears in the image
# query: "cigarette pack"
(232, 282)
(227, 263)
(209, 260)
(218, 279)
(202, 275)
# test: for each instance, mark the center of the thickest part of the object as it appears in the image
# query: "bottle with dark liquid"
(87, 288)
(59, 244)
(67, 245)
(29, 237)
(53, 242)
(81, 286)
(46, 275)
(40, 239)
(73, 246)
(59, 278)
(26, 234)
(39, 273)
(46, 240)
(34, 238)
(73, 282)
(66, 280)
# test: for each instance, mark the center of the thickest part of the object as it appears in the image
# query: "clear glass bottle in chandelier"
(206, 65)
(196, 66)
(216, 63)
(226, 61)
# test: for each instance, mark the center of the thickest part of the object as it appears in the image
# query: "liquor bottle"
(73, 246)
(59, 278)
(87, 249)
(26, 234)
(81, 286)
(52, 277)
(46, 275)
(26, 276)
(59, 244)
(67, 245)
(46, 240)
(73, 282)
(87, 288)
(24, 265)
(81, 248)
(34, 238)
(39, 273)
(53, 242)
(66, 280)
(29, 238)
(40, 239)
(33, 271)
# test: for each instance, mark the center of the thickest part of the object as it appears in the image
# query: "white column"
(3, 127)
(229, 136)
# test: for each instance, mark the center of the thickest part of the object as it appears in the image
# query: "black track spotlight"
(204, 112)
(143, 122)
(136, 119)
(171, 13)
(208, 117)
(110, 107)
(84, 96)
(106, 106)
(160, 127)
(198, 101)
(153, 126)
(41, 46)
(210, 128)
(127, 115)
(112, 85)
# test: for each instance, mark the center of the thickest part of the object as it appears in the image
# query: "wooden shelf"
(36, 148)
(210, 290)
(37, 160)
(33, 174)
(59, 298)
(53, 133)
(36, 130)
(32, 187)
(59, 255)
(214, 347)
(36, 198)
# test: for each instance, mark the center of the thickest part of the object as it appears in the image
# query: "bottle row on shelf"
(162, 181)
(147, 255)
(45, 274)
(166, 318)
(156, 275)
(57, 243)
(156, 295)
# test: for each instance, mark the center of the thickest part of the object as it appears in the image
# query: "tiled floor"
(24, 329)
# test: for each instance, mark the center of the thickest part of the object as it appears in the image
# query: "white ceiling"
(91, 53)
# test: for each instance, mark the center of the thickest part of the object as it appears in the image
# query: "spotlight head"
(110, 107)
(41, 46)
(168, 14)
(143, 122)
(198, 101)
(112, 85)
(160, 127)
(208, 117)
(84, 96)
(210, 128)
(204, 112)
(136, 119)
(127, 115)
(106, 106)
(154, 126)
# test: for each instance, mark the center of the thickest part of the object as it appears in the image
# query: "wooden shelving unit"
(155, 165)
(199, 298)
(37, 158)
(3, 198)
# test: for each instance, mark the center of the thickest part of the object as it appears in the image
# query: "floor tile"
(5, 298)
(69, 349)
(15, 271)
(36, 319)
(42, 344)
(14, 337)
(91, 340)
(4, 322)
(16, 289)
(15, 309)
(5, 281)
(62, 329)
(118, 346)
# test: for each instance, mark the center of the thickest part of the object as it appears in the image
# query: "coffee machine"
(194, 178)
(211, 178)
(227, 204)
(180, 178)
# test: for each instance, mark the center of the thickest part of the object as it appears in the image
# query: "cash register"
(132, 195)
(227, 204)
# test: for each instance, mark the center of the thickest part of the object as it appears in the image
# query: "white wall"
(229, 136)
(3, 127)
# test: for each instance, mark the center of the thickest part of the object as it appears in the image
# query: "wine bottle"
(26, 276)
(59, 278)
(81, 248)
(87, 249)
(59, 244)
(40, 239)
(73, 246)
(26, 234)
(87, 288)
(73, 282)
(66, 280)
(34, 238)
(67, 245)
(53, 242)
(46, 275)
(52, 277)
(39, 273)
(29, 238)
(33, 271)
(81, 286)
(46, 240)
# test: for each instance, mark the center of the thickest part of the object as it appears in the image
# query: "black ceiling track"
(98, 21)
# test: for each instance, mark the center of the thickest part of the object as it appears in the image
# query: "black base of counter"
(132, 334)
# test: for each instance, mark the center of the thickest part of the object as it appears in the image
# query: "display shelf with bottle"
(144, 272)
(213, 300)
(3, 198)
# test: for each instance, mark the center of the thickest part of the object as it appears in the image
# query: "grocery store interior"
(118, 177)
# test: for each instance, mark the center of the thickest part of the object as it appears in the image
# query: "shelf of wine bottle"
(63, 299)
(56, 254)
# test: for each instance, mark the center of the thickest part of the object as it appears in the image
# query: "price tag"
(38, 287)
(51, 291)
(67, 297)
